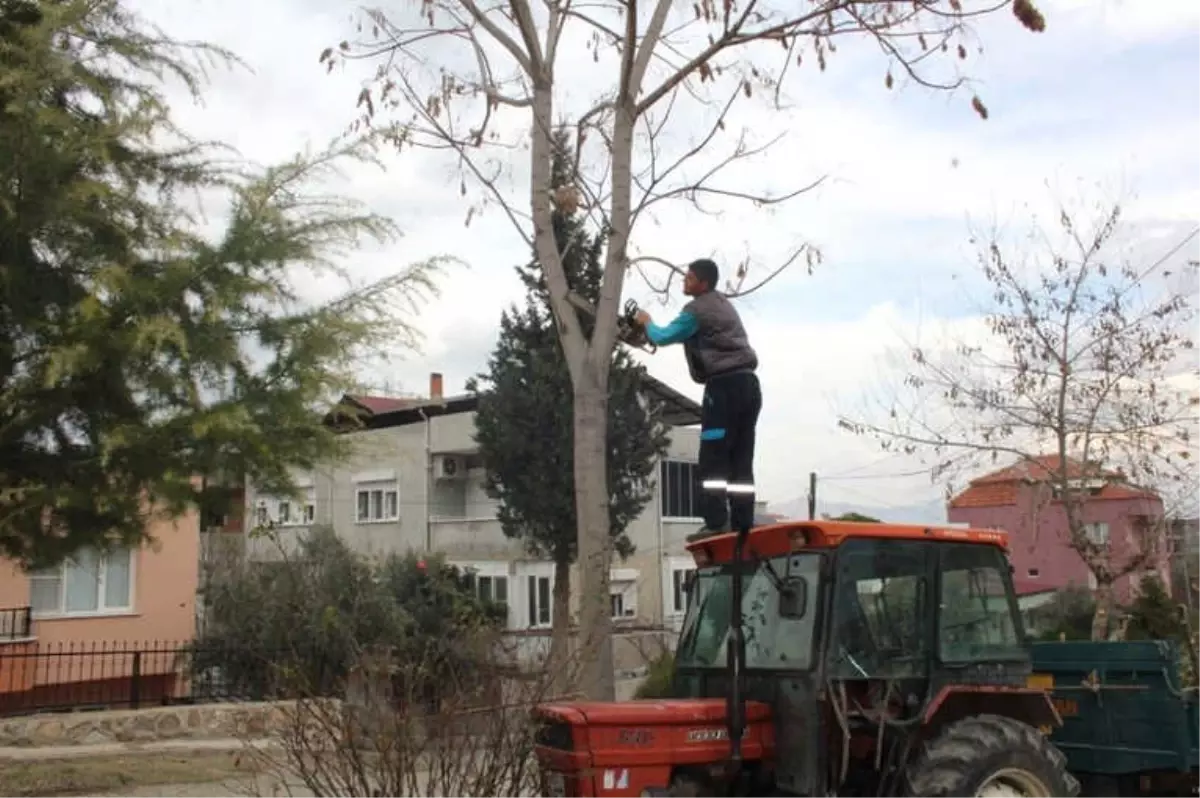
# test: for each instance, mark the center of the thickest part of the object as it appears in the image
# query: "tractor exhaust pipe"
(735, 658)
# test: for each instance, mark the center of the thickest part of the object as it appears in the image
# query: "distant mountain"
(930, 512)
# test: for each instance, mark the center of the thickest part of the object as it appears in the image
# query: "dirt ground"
(130, 774)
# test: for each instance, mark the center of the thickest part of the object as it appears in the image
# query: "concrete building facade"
(414, 482)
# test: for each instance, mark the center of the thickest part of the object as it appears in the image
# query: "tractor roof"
(787, 536)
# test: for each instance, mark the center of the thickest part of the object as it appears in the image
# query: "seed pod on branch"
(1029, 15)
(979, 107)
(566, 199)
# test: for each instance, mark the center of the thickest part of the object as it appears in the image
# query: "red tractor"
(829, 658)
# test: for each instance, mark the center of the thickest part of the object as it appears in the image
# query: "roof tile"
(381, 404)
(999, 488)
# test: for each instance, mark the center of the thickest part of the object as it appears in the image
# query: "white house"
(414, 482)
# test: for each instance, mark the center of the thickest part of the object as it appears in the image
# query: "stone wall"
(201, 722)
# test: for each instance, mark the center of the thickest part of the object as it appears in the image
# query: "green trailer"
(1128, 726)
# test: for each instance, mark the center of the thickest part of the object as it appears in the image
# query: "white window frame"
(663, 488)
(59, 573)
(616, 605)
(1098, 533)
(623, 587)
(521, 598)
(535, 609)
(493, 580)
(493, 571)
(272, 510)
(625, 593)
(671, 567)
(385, 509)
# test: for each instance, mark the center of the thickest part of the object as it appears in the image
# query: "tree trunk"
(561, 669)
(595, 544)
(1103, 607)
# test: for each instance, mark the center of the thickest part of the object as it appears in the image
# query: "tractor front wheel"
(991, 756)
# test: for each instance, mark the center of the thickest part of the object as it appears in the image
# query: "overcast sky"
(1105, 103)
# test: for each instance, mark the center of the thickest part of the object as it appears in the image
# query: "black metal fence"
(72, 676)
(15, 623)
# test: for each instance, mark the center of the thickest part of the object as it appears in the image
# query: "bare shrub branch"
(407, 725)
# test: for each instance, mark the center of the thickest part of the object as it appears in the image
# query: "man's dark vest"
(720, 345)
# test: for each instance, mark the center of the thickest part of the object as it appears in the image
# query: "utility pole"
(812, 495)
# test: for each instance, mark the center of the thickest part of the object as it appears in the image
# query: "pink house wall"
(165, 574)
(1039, 540)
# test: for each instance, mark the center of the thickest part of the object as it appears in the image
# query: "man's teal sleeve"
(683, 327)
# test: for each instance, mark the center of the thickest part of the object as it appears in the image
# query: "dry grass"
(93, 775)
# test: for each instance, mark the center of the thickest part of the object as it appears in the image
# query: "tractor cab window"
(880, 622)
(774, 639)
(977, 614)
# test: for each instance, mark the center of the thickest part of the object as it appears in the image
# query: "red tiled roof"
(1026, 587)
(381, 404)
(986, 495)
(999, 488)
(1044, 467)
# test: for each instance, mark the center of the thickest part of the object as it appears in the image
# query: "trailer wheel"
(990, 756)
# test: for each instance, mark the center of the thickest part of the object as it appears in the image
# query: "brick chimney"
(435, 386)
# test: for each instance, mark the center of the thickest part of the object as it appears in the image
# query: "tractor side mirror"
(793, 598)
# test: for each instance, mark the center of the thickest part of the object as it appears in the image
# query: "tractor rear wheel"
(991, 756)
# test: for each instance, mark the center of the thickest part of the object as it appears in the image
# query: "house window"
(1034, 573)
(680, 489)
(539, 601)
(377, 501)
(679, 577)
(1097, 533)
(490, 582)
(280, 511)
(622, 600)
(492, 588)
(89, 583)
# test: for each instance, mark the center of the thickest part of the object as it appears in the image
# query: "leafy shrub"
(657, 683)
(299, 624)
(1068, 616)
(1153, 615)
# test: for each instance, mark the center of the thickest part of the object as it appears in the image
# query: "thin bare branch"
(438, 81)
(1075, 367)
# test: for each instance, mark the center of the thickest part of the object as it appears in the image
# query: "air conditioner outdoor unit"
(449, 466)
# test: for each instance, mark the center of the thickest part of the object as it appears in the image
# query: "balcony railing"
(16, 623)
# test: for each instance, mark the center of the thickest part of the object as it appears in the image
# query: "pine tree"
(1153, 615)
(524, 424)
(142, 362)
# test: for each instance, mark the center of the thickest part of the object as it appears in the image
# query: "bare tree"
(479, 80)
(1085, 380)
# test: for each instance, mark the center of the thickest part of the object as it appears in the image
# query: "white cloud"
(905, 162)
(1128, 21)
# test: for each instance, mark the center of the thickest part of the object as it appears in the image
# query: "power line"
(894, 475)
(872, 464)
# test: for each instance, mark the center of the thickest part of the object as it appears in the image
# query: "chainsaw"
(629, 332)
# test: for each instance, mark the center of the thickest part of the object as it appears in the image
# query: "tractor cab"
(840, 659)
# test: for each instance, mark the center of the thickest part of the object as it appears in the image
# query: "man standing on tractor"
(719, 357)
